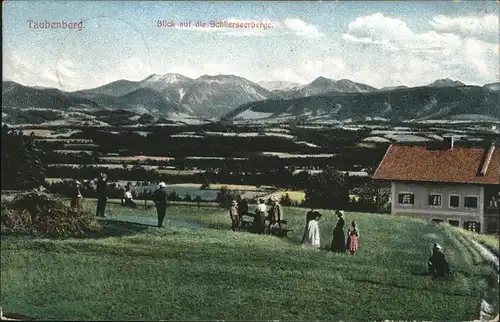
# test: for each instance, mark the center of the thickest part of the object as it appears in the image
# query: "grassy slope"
(135, 272)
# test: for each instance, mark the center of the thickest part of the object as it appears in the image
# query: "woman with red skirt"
(353, 238)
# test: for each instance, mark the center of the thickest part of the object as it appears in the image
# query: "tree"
(22, 161)
(225, 197)
(285, 200)
(373, 197)
(329, 190)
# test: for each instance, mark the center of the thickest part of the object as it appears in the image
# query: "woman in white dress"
(312, 234)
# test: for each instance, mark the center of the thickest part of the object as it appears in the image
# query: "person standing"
(261, 212)
(233, 214)
(76, 196)
(102, 197)
(275, 213)
(310, 215)
(338, 241)
(353, 238)
(160, 200)
(242, 207)
(312, 235)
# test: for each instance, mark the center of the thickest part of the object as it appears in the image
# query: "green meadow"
(196, 268)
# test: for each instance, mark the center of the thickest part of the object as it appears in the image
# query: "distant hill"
(23, 97)
(324, 85)
(169, 94)
(402, 104)
(174, 96)
(493, 86)
(446, 82)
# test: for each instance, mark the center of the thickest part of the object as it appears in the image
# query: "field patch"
(293, 155)
(295, 195)
(136, 158)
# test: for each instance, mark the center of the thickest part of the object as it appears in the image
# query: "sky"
(377, 43)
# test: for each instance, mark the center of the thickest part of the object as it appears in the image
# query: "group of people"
(127, 197)
(265, 219)
(102, 198)
(270, 219)
(159, 197)
(339, 244)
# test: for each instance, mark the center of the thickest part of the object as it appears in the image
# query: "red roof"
(457, 165)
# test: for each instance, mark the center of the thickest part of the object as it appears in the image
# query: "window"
(455, 223)
(406, 198)
(454, 201)
(492, 227)
(435, 200)
(470, 202)
(472, 226)
(437, 221)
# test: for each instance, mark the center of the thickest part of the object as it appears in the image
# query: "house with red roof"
(454, 184)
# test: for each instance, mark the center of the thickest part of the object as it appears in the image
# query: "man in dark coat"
(160, 200)
(242, 209)
(437, 264)
(338, 241)
(102, 197)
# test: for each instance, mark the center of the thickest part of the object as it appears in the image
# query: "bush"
(285, 200)
(225, 197)
(173, 196)
(42, 215)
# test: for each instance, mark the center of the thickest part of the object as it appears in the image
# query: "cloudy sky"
(377, 43)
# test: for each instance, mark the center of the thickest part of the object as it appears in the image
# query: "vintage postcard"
(250, 160)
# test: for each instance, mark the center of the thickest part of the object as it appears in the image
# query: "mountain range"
(439, 102)
(227, 97)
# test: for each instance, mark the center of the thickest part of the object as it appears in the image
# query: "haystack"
(42, 214)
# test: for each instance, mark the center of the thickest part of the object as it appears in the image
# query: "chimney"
(487, 160)
(449, 142)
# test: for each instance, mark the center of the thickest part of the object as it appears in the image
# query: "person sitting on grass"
(128, 198)
(437, 264)
(312, 235)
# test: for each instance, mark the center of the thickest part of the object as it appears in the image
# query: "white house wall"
(422, 209)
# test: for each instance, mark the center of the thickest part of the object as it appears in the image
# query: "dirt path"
(486, 310)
